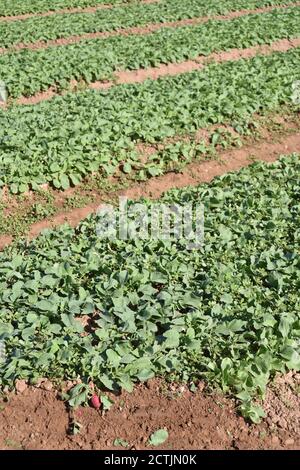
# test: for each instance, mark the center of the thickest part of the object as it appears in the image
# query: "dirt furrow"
(193, 174)
(153, 73)
(62, 11)
(141, 30)
(35, 418)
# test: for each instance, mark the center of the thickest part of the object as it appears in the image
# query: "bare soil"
(35, 418)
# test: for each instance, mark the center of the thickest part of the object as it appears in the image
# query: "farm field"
(182, 342)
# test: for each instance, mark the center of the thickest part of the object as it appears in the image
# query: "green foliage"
(106, 403)
(17, 7)
(79, 395)
(228, 312)
(120, 442)
(37, 70)
(158, 437)
(137, 14)
(63, 140)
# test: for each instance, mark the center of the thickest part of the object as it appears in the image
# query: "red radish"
(95, 401)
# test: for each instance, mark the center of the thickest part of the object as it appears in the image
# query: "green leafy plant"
(227, 313)
(107, 403)
(158, 437)
(120, 442)
(63, 140)
(134, 14)
(79, 395)
(17, 7)
(75, 428)
(87, 61)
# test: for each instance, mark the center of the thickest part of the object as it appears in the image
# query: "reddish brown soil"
(36, 419)
(69, 10)
(171, 69)
(150, 28)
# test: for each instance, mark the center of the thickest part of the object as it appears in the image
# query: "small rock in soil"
(222, 434)
(275, 440)
(201, 386)
(282, 423)
(269, 421)
(46, 385)
(21, 386)
(289, 442)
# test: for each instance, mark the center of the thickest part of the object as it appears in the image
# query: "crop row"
(74, 135)
(62, 26)
(28, 72)
(17, 7)
(227, 311)
(70, 136)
